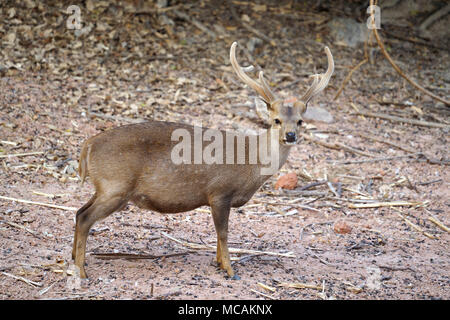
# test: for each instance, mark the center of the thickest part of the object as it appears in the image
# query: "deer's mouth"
(290, 142)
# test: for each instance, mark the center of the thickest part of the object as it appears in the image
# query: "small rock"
(348, 32)
(162, 4)
(318, 114)
(288, 181)
(342, 227)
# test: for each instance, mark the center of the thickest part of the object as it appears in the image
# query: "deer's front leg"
(220, 212)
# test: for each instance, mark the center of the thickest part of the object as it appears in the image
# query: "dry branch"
(258, 33)
(31, 283)
(347, 78)
(416, 227)
(376, 159)
(404, 120)
(132, 256)
(21, 154)
(299, 285)
(434, 17)
(197, 246)
(40, 203)
(336, 146)
(394, 65)
(385, 204)
(16, 225)
(263, 294)
(194, 22)
(391, 143)
(439, 224)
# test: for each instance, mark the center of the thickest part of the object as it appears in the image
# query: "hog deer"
(132, 163)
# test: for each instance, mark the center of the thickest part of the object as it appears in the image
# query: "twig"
(391, 143)
(375, 159)
(428, 182)
(394, 65)
(263, 294)
(168, 294)
(194, 22)
(278, 210)
(197, 246)
(416, 41)
(250, 28)
(132, 256)
(312, 185)
(157, 10)
(294, 193)
(31, 283)
(12, 224)
(299, 285)
(336, 146)
(404, 120)
(416, 227)
(43, 291)
(395, 268)
(21, 154)
(40, 204)
(302, 206)
(434, 16)
(332, 189)
(347, 78)
(439, 224)
(385, 204)
(266, 287)
(321, 260)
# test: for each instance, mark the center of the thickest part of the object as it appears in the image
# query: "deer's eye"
(277, 121)
(299, 123)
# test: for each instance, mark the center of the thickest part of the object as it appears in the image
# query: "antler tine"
(317, 85)
(266, 86)
(261, 89)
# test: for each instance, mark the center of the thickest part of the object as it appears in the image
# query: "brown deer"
(133, 163)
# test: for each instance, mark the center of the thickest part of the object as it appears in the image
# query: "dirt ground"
(131, 64)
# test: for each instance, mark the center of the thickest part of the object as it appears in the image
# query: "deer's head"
(285, 115)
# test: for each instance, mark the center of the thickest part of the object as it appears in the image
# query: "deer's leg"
(79, 212)
(101, 207)
(220, 212)
(218, 254)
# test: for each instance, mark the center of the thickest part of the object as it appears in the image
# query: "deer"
(132, 163)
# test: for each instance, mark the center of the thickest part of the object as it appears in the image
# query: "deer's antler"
(320, 80)
(262, 88)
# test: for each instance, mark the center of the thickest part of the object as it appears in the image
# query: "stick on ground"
(40, 203)
(197, 246)
(404, 120)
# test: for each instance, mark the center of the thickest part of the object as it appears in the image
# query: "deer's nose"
(290, 136)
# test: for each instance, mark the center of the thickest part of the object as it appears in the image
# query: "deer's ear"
(262, 110)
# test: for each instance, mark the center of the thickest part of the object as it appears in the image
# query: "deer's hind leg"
(80, 212)
(101, 207)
